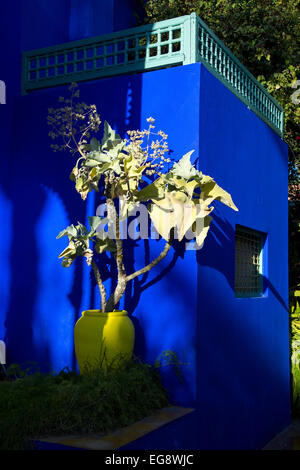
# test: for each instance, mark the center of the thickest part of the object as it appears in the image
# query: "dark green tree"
(264, 36)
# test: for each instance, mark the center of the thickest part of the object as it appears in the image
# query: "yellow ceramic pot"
(103, 339)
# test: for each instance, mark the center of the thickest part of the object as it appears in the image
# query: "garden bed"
(35, 405)
(295, 323)
(118, 438)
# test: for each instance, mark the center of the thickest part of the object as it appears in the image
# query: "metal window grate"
(248, 263)
(183, 40)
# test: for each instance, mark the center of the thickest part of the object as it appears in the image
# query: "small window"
(248, 262)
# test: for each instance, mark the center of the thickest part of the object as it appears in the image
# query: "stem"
(78, 148)
(149, 266)
(123, 279)
(100, 285)
(112, 215)
(121, 285)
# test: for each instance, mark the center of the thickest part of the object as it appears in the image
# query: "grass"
(33, 405)
(295, 323)
(296, 391)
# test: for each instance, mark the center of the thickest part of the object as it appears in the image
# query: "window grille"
(248, 263)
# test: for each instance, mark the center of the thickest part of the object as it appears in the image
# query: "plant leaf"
(69, 251)
(74, 174)
(95, 221)
(69, 231)
(184, 169)
(177, 211)
(110, 138)
(200, 229)
(95, 144)
(163, 220)
(126, 207)
(183, 185)
(211, 191)
(105, 245)
(152, 191)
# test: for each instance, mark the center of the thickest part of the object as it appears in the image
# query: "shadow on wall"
(47, 299)
(5, 255)
(219, 247)
(226, 351)
(219, 254)
(53, 310)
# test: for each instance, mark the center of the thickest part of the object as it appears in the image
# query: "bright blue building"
(222, 309)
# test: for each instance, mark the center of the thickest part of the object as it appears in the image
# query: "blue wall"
(10, 72)
(248, 347)
(236, 350)
(28, 25)
(93, 17)
(45, 23)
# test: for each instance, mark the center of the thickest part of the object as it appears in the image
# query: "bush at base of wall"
(33, 405)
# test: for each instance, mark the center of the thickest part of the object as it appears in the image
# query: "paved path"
(288, 439)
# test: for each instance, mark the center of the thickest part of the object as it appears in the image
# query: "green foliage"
(281, 86)
(33, 405)
(79, 241)
(184, 169)
(71, 119)
(131, 171)
(295, 357)
(294, 239)
(180, 206)
(175, 203)
(263, 35)
(169, 358)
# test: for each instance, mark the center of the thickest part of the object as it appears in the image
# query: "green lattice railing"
(178, 41)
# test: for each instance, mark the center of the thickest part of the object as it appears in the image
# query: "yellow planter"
(103, 339)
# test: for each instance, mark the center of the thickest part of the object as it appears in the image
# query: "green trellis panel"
(179, 41)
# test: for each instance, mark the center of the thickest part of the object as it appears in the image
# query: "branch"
(112, 215)
(100, 285)
(121, 285)
(78, 148)
(147, 268)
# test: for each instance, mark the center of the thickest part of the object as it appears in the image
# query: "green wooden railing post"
(187, 40)
(193, 39)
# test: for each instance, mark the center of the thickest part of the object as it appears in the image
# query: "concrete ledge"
(288, 439)
(120, 437)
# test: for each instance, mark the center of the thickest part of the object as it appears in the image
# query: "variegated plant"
(131, 171)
